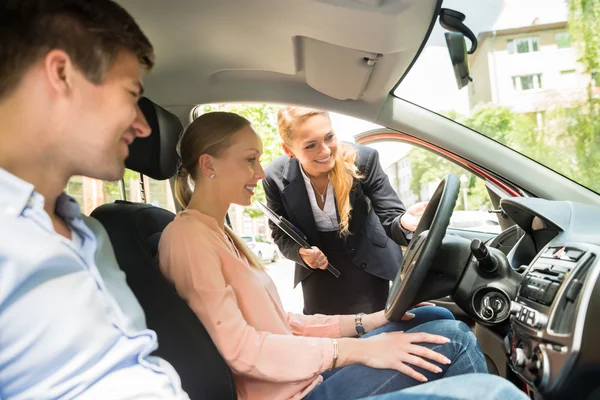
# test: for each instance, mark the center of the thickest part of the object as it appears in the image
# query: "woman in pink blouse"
(274, 354)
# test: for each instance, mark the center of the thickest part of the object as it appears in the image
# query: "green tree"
(581, 120)
(263, 118)
(518, 132)
(584, 26)
(549, 146)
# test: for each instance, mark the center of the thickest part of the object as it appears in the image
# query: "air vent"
(566, 308)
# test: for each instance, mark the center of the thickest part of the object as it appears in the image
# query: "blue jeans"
(359, 381)
(464, 387)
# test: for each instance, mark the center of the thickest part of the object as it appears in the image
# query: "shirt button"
(363, 265)
(351, 252)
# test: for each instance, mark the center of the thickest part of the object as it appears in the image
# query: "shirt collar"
(15, 194)
(67, 207)
(306, 178)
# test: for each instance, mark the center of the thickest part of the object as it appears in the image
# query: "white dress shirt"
(325, 219)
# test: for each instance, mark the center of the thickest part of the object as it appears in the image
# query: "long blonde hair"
(344, 173)
(211, 134)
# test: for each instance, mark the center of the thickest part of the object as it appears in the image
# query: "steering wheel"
(423, 247)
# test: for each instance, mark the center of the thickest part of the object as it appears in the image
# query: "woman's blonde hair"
(344, 172)
(210, 133)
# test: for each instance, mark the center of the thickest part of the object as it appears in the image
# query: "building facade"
(527, 69)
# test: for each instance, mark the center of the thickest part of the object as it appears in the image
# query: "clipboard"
(294, 233)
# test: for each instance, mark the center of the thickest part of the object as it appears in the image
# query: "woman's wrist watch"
(360, 329)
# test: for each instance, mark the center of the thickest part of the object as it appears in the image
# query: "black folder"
(293, 232)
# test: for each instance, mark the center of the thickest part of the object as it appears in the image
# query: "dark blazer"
(375, 215)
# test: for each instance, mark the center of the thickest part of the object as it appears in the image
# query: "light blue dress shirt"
(69, 328)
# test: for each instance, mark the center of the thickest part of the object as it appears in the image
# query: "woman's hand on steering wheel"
(411, 218)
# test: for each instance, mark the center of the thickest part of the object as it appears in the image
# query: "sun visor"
(339, 72)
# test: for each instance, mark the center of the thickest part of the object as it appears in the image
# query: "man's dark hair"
(91, 32)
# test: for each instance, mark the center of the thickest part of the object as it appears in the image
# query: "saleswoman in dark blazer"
(338, 195)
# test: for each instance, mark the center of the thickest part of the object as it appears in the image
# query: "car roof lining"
(306, 52)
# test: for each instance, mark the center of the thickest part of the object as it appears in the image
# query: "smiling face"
(103, 120)
(314, 144)
(237, 170)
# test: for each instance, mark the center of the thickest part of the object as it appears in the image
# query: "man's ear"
(59, 71)
(288, 152)
(206, 165)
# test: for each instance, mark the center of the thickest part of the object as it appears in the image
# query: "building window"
(568, 78)
(563, 40)
(523, 45)
(527, 82)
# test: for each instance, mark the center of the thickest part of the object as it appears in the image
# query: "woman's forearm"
(369, 321)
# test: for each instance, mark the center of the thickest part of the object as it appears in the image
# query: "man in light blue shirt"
(70, 80)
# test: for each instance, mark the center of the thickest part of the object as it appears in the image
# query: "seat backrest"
(134, 230)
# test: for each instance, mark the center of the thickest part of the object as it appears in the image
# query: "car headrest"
(156, 156)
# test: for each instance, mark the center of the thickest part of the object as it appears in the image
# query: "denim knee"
(456, 331)
(430, 313)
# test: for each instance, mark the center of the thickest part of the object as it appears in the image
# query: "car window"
(91, 193)
(247, 239)
(416, 173)
(534, 81)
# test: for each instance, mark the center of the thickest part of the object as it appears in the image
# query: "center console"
(549, 314)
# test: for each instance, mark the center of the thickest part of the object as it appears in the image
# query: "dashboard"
(553, 341)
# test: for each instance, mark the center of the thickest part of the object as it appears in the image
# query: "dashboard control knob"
(518, 358)
(515, 308)
(486, 312)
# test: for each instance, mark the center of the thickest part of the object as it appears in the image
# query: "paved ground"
(282, 273)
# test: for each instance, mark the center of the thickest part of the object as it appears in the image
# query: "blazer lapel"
(295, 198)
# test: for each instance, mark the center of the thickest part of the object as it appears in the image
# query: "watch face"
(360, 329)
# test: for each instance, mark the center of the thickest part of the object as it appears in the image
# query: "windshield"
(536, 80)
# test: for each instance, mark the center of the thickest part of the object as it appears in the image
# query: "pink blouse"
(273, 354)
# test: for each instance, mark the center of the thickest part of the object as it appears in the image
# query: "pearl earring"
(212, 176)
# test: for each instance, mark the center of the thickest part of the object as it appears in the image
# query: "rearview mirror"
(458, 55)
(452, 21)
